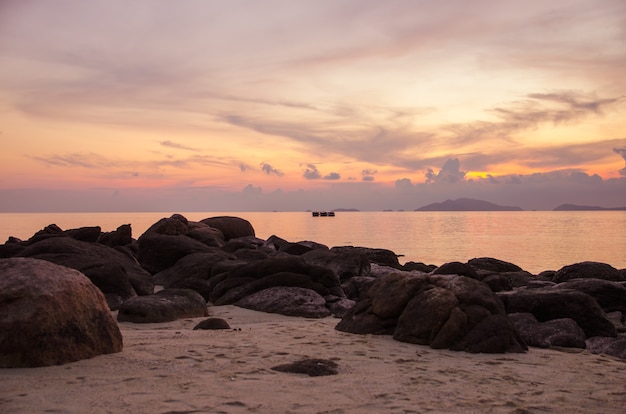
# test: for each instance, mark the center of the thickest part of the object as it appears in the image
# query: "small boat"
(323, 213)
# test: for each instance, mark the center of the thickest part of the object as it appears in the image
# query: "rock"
(117, 275)
(456, 268)
(345, 264)
(86, 234)
(212, 324)
(442, 311)
(278, 271)
(290, 301)
(310, 367)
(548, 304)
(611, 296)
(51, 315)
(493, 265)
(609, 346)
(584, 270)
(419, 266)
(164, 306)
(497, 282)
(355, 288)
(339, 306)
(556, 332)
(380, 256)
(231, 227)
(197, 266)
(119, 237)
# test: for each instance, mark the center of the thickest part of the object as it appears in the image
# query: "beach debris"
(312, 367)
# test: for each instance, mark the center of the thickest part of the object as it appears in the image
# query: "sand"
(171, 368)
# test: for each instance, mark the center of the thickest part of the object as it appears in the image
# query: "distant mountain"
(467, 204)
(342, 210)
(574, 207)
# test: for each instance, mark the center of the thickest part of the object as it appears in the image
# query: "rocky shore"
(70, 295)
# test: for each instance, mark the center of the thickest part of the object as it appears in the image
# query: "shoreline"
(169, 367)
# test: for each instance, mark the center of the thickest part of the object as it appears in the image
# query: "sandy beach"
(170, 368)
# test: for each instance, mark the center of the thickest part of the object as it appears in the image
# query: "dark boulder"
(165, 243)
(164, 306)
(117, 275)
(419, 266)
(345, 264)
(556, 332)
(212, 324)
(339, 306)
(611, 296)
(86, 234)
(585, 270)
(197, 266)
(456, 268)
(380, 256)
(122, 236)
(312, 367)
(51, 315)
(548, 304)
(493, 265)
(231, 227)
(442, 311)
(609, 346)
(355, 288)
(285, 300)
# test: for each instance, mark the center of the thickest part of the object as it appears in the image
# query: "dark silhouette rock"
(419, 266)
(380, 256)
(442, 311)
(122, 236)
(164, 306)
(286, 300)
(609, 346)
(205, 234)
(278, 271)
(551, 303)
(355, 288)
(117, 275)
(611, 296)
(86, 234)
(166, 242)
(498, 282)
(310, 367)
(212, 324)
(231, 227)
(51, 315)
(193, 266)
(456, 268)
(556, 332)
(586, 270)
(338, 306)
(493, 265)
(345, 264)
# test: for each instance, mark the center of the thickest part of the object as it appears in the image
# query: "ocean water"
(534, 240)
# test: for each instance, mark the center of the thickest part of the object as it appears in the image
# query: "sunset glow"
(263, 105)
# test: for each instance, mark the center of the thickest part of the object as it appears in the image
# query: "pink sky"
(275, 105)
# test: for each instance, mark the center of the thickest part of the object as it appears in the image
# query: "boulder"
(609, 346)
(51, 315)
(584, 270)
(456, 268)
(116, 274)
(122, 236)
(556, 332)
(611, 296)
(164, 306)
(312, 367)
(231, 227)
(550, 303)
(285, 300)
(345, 264)
(197, 266)
(442, 311)
(212, 324)
(493, 265)
(380, 256)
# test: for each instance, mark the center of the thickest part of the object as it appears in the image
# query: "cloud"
(368, 174)
(269, 170)
(450, 173)
(311, 172)
(332, 176)
(172, 144)
(622, 153)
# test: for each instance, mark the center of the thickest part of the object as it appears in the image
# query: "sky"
(261, 105)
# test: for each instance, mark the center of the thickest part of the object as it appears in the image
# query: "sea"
(534, 240)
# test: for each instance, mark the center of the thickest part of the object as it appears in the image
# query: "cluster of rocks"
(178, 267)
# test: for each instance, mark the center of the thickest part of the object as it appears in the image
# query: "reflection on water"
(534, 240)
